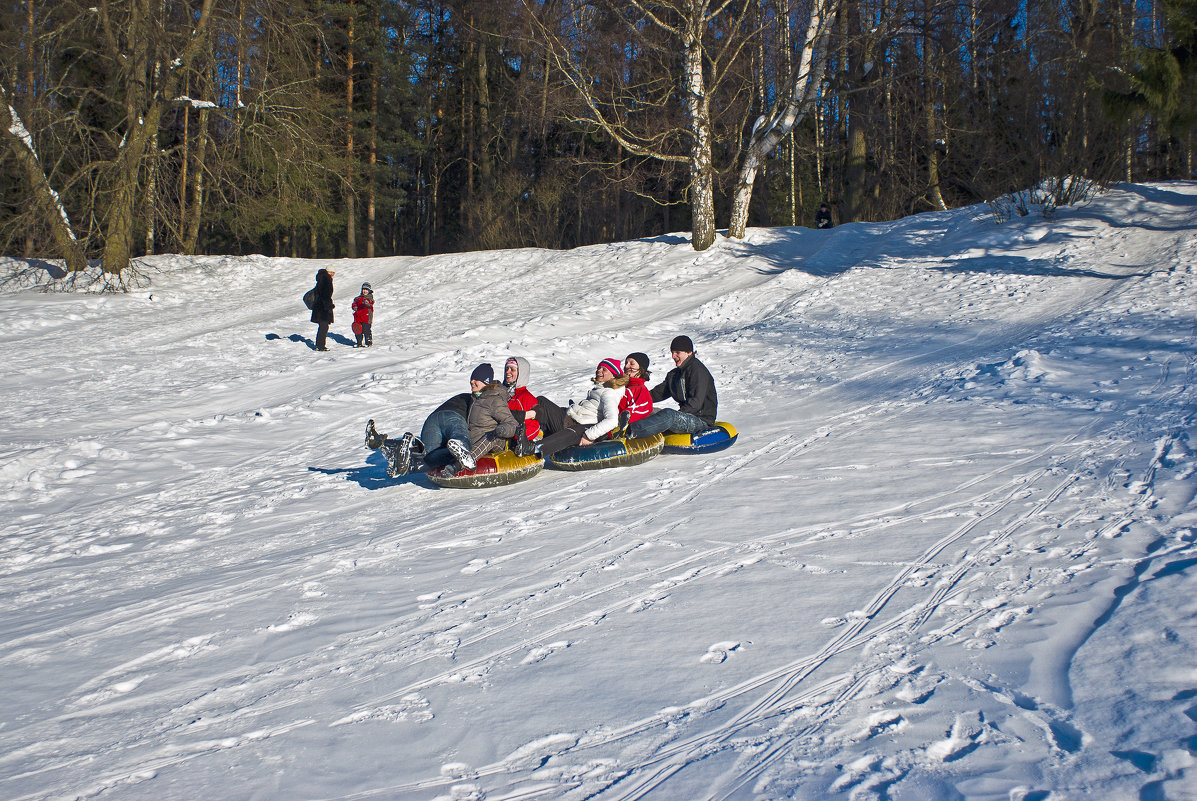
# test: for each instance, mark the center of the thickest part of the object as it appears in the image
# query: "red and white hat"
(613, 365)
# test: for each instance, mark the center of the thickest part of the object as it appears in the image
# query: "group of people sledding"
(495, 415)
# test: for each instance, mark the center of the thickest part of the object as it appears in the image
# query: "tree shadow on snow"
(51, 269)
(1018, 265)
(1177, 201)
(805, 249)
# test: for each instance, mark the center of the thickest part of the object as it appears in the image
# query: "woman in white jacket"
(588, 420)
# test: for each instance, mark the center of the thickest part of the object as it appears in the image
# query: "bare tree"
(20, 144)
(677, 39)
(769, 131)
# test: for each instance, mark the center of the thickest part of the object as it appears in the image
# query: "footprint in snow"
(962, 740)
(647, 603)
(540, 654)
(413, 708)
(295, 620)
(718, 652)
(428, 600)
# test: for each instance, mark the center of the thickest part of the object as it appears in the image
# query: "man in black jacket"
(691, 385)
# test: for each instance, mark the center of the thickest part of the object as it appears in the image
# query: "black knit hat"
(682, 342)
(484, 373)
(640, 359)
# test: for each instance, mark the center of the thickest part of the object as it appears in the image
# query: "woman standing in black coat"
(322, 307)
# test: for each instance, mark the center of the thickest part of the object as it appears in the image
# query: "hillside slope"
(950, 555)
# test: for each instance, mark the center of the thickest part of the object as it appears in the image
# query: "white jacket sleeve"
(608, 413)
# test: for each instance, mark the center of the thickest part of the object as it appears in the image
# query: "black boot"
(398, 455)
(523, 446)
(374, 440)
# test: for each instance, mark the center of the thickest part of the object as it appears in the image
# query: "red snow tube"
(493, 470)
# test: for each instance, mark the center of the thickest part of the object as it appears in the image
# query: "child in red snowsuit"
(363, 316)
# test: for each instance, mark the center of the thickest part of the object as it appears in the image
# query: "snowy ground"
(951, 555)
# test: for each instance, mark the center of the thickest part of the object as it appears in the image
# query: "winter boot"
(621, 431)
(398, 455)
(522, 446)
(374, 440)
(461, 453)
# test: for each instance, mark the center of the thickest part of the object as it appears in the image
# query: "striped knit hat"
(613, 365)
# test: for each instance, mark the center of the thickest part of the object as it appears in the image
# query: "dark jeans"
(439, 428)
(321, 336)
(365, 335)
(668, 421)
(560, 430)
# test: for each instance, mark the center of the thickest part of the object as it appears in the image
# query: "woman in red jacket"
(520, 400)
(636, 398)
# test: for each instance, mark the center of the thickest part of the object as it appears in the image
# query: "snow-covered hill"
(950, 556)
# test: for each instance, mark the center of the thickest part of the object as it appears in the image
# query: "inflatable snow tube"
(493, 470)
(709, 440)
(607, 453)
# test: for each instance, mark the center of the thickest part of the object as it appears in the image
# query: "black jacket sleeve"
(701, 400)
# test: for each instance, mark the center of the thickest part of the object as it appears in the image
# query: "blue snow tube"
(709, 440)
(607, 453)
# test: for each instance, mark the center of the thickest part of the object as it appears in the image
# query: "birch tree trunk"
(686, 23)
(698, 113)
(20, 144)
(150, 203)
(934, 125)
(769, 132)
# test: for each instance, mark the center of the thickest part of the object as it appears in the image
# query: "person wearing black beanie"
(637, 401)
(639, 362)
(690, 384)
(682, 344)
(484, 373)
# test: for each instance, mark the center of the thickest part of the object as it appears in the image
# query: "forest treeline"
(364, 128)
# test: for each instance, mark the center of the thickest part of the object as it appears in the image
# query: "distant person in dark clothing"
(823, 217)
(322, 307)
